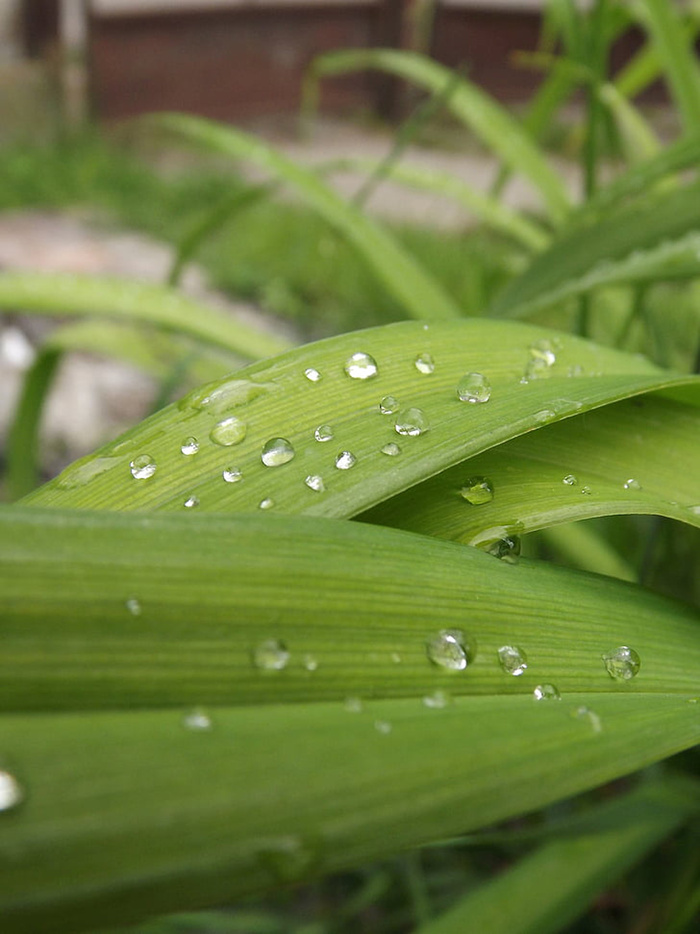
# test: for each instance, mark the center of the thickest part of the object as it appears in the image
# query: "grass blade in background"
(577, 545)
(415, 291)
(496, 128)
(548, 889)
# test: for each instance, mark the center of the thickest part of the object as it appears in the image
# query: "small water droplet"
(544, 415)
(382, 726)
(391, 449)
(314, 482)
(191, 502)
(197, 721)
(323, 433)
(277, 451)
(11, 792)
(424, 363)
(546, 692)
(271, 655)
(266, 503)
(411, 422)
(345, 460)
(312, 374)
(474, 387)
(512, 660)
(437, 700)
(361, 366)
(189, 446)
(477, 491)
(451, 649)
(389, 405)
(542, 359)
(142, 467)
(353, 705)
(632, 484)
(570, 480)
(133, 606)
(228, 432)
(586, 490)
(585, 713)
(291, 859)
(310, 662)
(506, 548)
(622, 663)
(232, 475)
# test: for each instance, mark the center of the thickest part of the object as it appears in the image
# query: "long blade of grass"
(416, 292)
(547, 890)
(496, 128)
(635, 457)
(275, 401)
(80, 296)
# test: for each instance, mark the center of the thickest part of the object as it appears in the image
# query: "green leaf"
(418, 294)
(638, 456)
(289, 782)
(62, 294)
(551, 887)
(494, 126)
(274, 400)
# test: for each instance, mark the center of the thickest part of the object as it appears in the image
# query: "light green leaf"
(496, 128)
(275, 400)
(418, 294)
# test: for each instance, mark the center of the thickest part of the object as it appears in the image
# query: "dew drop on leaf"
(592, 718)
(315, 483)
(361, 366)
(191, 502)
(228, 432)
(506, 548)
(437, 700)
(271, 655)
(142, 467)
(266, 503)
(323, 433)
(197, 721)
(391, 449)
(232, 475)
(411, 422)
(189, 446)
(312, 374)
(512, 660)
(451, 649)
(542, 359)
(586, 490)
(276, 452)
(310, 662)
(389, 405)
(133, 606)
(546, 692)
(11, 792)
(474, 388)
(632, 484)
(424, 363)
(622, 663)
(570, 480)
(345, 460)
(477, 491)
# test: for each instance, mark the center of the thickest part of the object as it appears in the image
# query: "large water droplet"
(11, 792)
(632, 484)
(424, 363)
(506, 548)
(512, 660)
(191, 502)
(291, 859)
(391, 449)
(271, 655)
(227, 395)
(622, 663)
(228, 432)
(546, 692)
(277, 451)
(477, 491)
(323, 433)
(451, 649)
(266, 503)
(315, 483)
(81, 473)
(189, 446)
(389, 405)
(197, 721)
(590, 716)
(570, 480)
(232, 475)
(437, 700)
(411, 422)
(361, 366)
(142, 467)
(345, 460)
(312, 374)
(474, 387)
(133, 606)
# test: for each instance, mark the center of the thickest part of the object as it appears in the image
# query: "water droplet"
(437, 700)
(196, 720)
(570, 480)
(546, 692)
(232, 475)
(228, 395)
(310, 662)
(451, 649)
(228, 432)
(266, 503)
(382, 726)
(133, 606)
(585, 713)
(411, 422)
(353, 705)
(312, 374)
(191, 502)
(424, 363)
(477, 491)
(586, 490)
(142, 467)
(291, 859)
(506, 548)
(474, 387)
(189, 446)
(361, 366)
(544, 415)
(512, 660)
(391, 449)
(271, 655)
(314, 482)
(622, 663)
(389, 405)
(632, 484)
(323, 433)
(82, 472)
(345, 460)
(277, 451)
(11, 793)
(542, 359)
